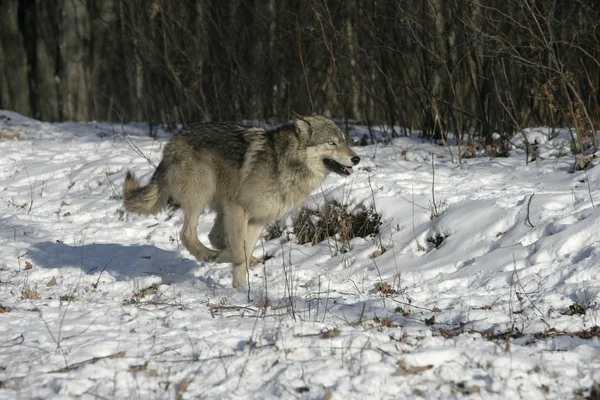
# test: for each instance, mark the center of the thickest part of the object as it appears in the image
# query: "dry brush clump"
(334, 220)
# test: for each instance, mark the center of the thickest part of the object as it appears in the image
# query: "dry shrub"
(30, 294)
(498, 148)
(273, 231)
(385, 322)
(582, 162)
(469, 152)
(384, 288)
(333, 219)
(9, 134)
(330, 333)
(576, 309)
(143, 293)
(489, 146)
(435, 240)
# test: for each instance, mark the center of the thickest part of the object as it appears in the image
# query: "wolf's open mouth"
(338, 168)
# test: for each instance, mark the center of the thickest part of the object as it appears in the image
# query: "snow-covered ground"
(97, 303)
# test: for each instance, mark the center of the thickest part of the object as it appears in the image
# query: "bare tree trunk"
(74, 44)
(47, 95)
(14, 80)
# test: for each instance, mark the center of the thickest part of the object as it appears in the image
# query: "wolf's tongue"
(349, 170)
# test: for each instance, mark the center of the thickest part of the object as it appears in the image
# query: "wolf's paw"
(227, 256)
(210, 256)
(239, 286)
(240, 281)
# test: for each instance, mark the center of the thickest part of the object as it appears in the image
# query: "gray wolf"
(250, 176)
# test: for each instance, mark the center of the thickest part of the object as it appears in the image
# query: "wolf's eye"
(331, 142)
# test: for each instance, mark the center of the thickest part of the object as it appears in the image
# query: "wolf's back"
(141, 200)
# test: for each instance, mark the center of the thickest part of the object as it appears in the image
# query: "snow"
(104, 304)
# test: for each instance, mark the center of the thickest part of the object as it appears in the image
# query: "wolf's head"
(326, 143)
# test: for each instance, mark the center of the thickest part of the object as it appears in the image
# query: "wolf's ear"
(303, 126)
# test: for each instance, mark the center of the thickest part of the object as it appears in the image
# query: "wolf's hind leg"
(194, 192)
(189, 237)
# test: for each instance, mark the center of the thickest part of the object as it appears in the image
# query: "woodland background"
(438, 66)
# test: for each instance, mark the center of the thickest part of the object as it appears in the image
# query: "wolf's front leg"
(217, 234)
(234, 226)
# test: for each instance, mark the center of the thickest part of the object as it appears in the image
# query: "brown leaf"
(28, 265)
(134, 369)
(152, 373)
(181, 388)
(51, 282)
(448, 333)
(67, 214)
(132, 330)
(385, 321)
(436, 310)
(384, 288)
(64, 203)
(474, 389)
(403, 370)
(376, 253)
(120, 354)
(327, 396)
(4, 309)
(330, 333)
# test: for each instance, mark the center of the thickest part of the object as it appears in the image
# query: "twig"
(30, 185)
(587, 179)
(434, 205)
(94, 360)
(525, 293)
(18, 340)
(362, 313)
(419, 247)
(528, 204)
(299, 43)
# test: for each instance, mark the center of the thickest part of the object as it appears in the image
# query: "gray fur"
(249, 176)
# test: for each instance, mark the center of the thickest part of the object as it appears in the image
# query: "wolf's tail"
(142, 200)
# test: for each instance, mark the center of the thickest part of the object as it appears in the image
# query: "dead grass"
(30, 294)
(385, 322)
(273, 231)
(141, 294)
(576, 309)
(7, 134)
(334, 220)
(435, 241)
